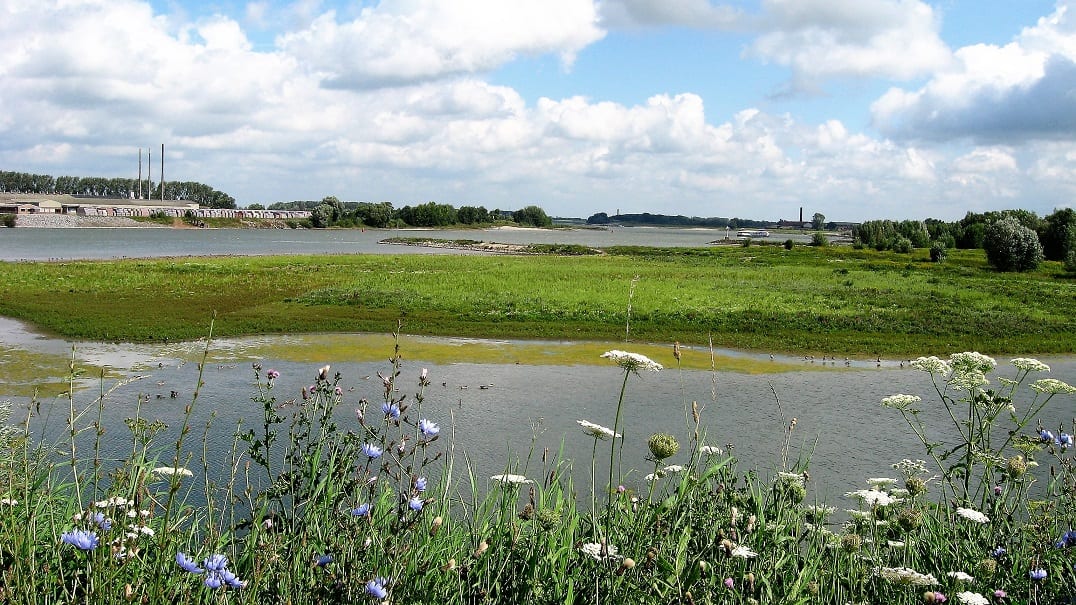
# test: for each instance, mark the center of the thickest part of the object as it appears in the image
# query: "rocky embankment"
(59, 221)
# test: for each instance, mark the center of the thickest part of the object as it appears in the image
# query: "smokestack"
(149, 173)
(801, 215)
(162, 172)
(139, 173)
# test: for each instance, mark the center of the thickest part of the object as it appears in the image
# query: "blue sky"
(858, 109)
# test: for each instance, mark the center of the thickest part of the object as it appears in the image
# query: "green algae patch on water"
(320, 348)
(30, 373)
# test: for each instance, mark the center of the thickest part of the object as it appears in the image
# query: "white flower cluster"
(900, 401)
(906, 576)
(872, 497)
(1052, 386)
(972, 515)
(932, 365)
(743, 552)
(972, 361)
(633, 362)
(968, 381)
(1028, 364)
(509, 479)
(168, 471)
(911, 468)
(881, 482)
(972, 598)
(600, 552)
(960, 576)
(711, 450)
(597, 430)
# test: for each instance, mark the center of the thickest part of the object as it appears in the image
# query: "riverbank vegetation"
(313, 503)
(825, 300)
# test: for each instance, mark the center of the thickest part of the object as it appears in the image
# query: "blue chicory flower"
(420, 484)
(187, 564)
(998, 552)
(102, 521)
(415, 503)
(362, 510)
(376, 587)
(429, 429)
(80, 538)
(324, 560)
(1064, 440)
(371, 450)
(1067, 539)
(1046, 436)
(218, 574)
(1037, 574)
(391, 410)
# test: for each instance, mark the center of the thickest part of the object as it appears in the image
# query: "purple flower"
(217, 573)
(420, 484)
(1067, 539)
(1037, 574)
(338, 391)
(415, 503)
(376, 587)
(362, 510)
(939, 598)
(272, 374)
(216, 563)
(1000, 594)
(371, 450)
(729, 583)
(84, 540)
(391, 410)
(187, 564)
(429, 429)
(102, 521)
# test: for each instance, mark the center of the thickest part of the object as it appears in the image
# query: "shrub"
(819, 239)
(938, 252)
(746, 243)
(8, 220)
(788, 244)
(902, 245)
(1011, 247)
(1070, 262)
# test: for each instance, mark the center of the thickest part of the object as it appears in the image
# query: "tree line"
(118, 188)
(331, 212)
(664, 220)
(1014, 240)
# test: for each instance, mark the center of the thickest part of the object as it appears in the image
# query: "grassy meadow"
(832, 300)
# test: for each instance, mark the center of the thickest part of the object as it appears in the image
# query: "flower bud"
(1016, 467)
(436, 525)
(916, 486)
(987, 567)
(851, 543)
(663, 445)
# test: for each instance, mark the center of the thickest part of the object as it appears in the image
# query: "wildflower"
(323, 560)
(323, 373)
(729, 583)
(218, 574)
(391, 410)
(674, 468)
(509, 479)
(102, 521)
(1000, 594)
(900, 401)
(1046, 436)
(895, 544)
(599, 551)
(905, 576)
(710, 450)
(415, 503)
(371, 450)
(187, 564)
(881, 482)
(934, 597)
(743, 552)
(967, 381)
(998, 552)
(272, 374)
(1029, 365)
(170, 471)
(662, 445)
(1052, 386)
(971, 362)
(1064, 440)
(362, 510)
(435, 526)
(376, 587)
(1037, 574)
(1067, 539)
(80, 538)
(931, 364)
(114, 501)
(960, 576)
(420, 484)
(972, 515)
(872, 497)
(429, 429)
(597, 430)
(632, 362)
(8, 501)
(971, 598)
(338, 391)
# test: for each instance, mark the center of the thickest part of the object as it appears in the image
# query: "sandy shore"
(63, 221)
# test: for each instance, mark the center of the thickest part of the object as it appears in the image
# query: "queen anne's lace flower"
(510, 479)
(632, 362)
(1028, 364)
(1052, 386)
(599, 551)
(743, 552)
(710, 450)
(932, 365)
(906, 576)
(972, 515)
(971, 362)
(972, 598)
(967, 381)
(872, 497)
(597, 430)
(960, 576)
(168, 471)
(900, 401)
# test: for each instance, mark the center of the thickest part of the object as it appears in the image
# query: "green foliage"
(471, 215)
(938, 252)
(321, 216)
(532, 215)
(204, 195)
(430, 214)
(818, 221)
(1070, 262)
(8, 220)
(1058, 234)
(818, 239)
(1011, 246)
(789, 244)
(902, 245)
(256, 207)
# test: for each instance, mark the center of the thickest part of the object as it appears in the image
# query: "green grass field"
(833, 300)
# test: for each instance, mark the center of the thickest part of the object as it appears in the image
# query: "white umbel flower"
(972, 598)
(509, 479)
(633, 362)
(906, 576)
(1028, 364)
(972, 515)
(597, 430)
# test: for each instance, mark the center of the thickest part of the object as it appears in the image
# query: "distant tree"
(1058, 234)
(532, 215)
(255, 207)
(1010, 246)
(377, 215)
(430, 214)
(7, 220)
(321, 216)
(818, 221)
(599, 218)
(902, 245)
(471, 215)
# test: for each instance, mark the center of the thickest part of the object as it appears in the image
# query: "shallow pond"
(498, 401)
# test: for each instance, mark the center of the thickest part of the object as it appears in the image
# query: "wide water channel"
(500, 401)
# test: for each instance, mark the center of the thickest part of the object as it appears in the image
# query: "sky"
(855, 109)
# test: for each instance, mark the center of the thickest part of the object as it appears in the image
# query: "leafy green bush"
(902, 245)
(1012, 247)
(789, 243)
(819, 239)
(8, 220)
(1070, 262)
(938, 252)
